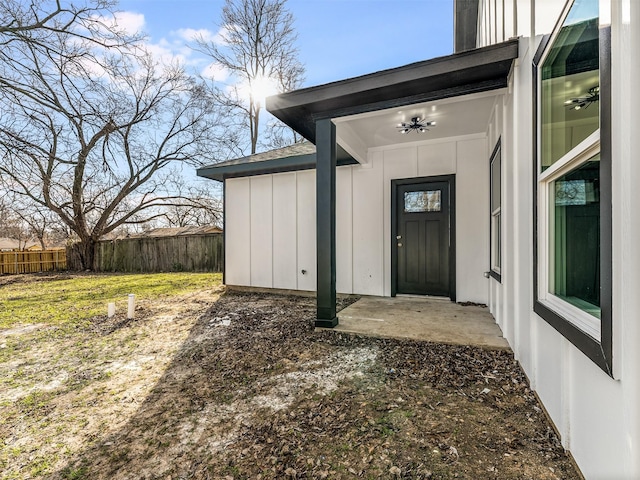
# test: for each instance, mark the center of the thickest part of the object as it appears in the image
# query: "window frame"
(560, 314)
(495, 241)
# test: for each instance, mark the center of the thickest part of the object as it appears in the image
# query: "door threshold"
(423, 297)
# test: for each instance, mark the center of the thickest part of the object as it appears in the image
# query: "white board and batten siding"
(271, 231)
(271, 226)
(598, 417)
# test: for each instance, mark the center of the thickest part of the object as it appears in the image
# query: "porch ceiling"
(457, 116)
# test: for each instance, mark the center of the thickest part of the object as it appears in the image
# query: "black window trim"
(498, 147)
(600, 352)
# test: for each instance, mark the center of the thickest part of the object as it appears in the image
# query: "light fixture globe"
(418, 125)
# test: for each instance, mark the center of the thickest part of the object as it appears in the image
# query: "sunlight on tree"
(256, 45)
(258, 89)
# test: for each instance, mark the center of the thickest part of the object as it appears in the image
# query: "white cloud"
(191, 34)
(130, 22)
(216, 71)
(176, 47)
(222, 37)
(91, 67)
(169, 52)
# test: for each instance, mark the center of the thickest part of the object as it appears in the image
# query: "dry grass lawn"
(208, 385)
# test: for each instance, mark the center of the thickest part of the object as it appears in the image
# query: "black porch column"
(326, 149)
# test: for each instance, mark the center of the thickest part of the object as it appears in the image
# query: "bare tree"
(24, 221)
(40, 20)
(199, 208)
(258, 48)
(39, 223)
(90, 123)
(11, 226)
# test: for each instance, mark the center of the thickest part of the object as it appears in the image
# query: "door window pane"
(423, 201)
(574, 273)
(570, 101)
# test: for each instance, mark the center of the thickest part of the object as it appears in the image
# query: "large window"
(496, 212)
(573, 280)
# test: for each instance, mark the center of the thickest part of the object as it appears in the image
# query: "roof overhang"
(463, 73)
(254, 165)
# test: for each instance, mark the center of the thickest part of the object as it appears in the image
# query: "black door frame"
(451, 180)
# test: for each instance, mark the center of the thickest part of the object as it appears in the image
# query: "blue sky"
(337, 39)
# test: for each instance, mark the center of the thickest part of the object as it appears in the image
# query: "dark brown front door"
(422, 238)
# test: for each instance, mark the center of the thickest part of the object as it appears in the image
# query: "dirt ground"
(239, 386)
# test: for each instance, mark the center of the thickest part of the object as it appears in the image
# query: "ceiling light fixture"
(418, 125)
(593, 95)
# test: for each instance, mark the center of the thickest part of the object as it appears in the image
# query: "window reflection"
(575, 237)
(423, 201)
(570, 102)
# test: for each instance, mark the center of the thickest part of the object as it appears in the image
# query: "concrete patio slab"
(422, 318)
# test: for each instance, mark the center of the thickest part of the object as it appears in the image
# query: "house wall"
(500, 20)
(271, 227)
(496, 21)
(598, 417)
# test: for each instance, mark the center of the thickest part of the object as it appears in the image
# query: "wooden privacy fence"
(185, 253)
(33, 262)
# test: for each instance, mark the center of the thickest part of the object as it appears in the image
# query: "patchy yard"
(211, 385)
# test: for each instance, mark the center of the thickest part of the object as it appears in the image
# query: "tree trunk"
(255, 120)
(87, 252)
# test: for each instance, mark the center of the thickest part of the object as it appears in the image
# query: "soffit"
(454, 117)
